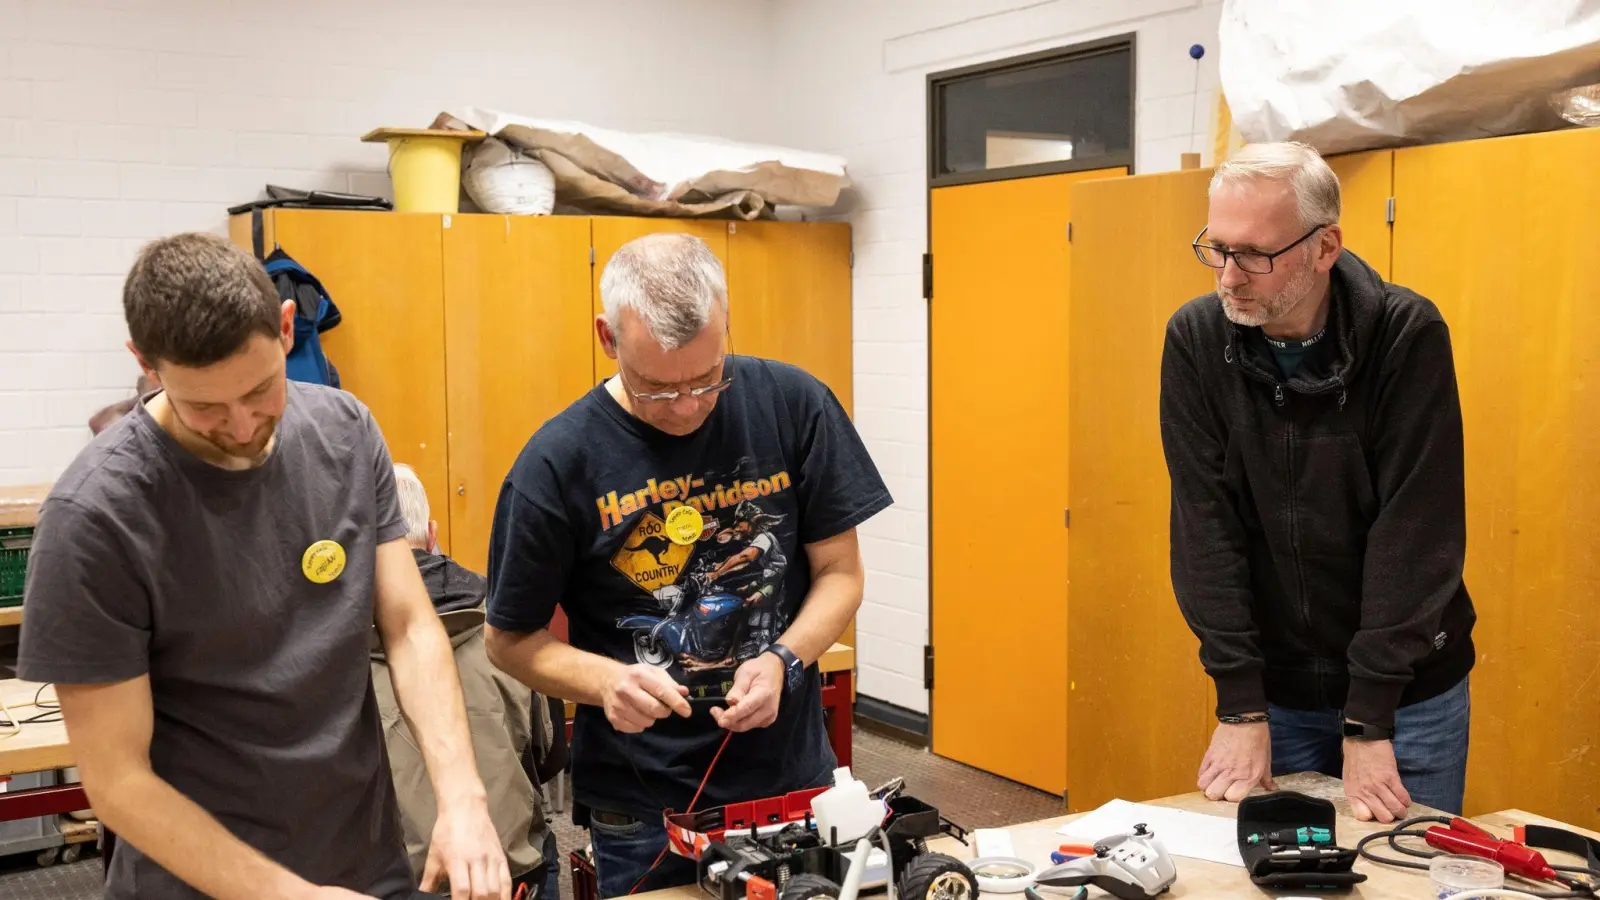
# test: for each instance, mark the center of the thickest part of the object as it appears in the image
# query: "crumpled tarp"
(599, 170)
(1379, 73)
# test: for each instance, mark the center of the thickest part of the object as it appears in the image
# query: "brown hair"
(195, 299)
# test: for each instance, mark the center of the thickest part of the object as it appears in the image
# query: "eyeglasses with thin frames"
(697, 393)
(1252, 261)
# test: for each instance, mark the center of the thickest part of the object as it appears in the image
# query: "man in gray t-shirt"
(202, 588)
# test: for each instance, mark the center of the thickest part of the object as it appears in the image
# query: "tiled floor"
(968, 797)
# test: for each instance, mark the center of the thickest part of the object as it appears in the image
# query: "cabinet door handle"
(461, 490)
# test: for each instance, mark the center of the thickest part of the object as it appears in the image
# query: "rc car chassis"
(770, 850)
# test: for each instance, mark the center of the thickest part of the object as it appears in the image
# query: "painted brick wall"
(122, 120)
(853, 76)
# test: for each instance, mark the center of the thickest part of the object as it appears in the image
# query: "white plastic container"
(847, 807)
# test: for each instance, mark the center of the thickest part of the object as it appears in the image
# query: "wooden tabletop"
(38, 746)
(19, 504)
(1213, 881)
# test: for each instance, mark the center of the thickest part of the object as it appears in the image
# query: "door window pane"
(1056, 111)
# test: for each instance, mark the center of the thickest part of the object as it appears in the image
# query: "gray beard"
(1274, 308)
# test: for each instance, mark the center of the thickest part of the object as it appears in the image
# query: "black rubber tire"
(919, 880)
(807, 887)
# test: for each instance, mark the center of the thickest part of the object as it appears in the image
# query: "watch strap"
(793, 670)
(1360, 731)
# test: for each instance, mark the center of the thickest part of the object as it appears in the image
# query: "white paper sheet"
(1187, 834)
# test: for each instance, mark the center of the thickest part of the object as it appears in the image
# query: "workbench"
(1213, 881)
(40, 747)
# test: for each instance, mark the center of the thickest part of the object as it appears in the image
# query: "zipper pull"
(1277, 394)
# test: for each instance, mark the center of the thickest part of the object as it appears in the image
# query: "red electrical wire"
(698, 791)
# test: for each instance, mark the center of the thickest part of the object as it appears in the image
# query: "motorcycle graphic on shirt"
(720, 605)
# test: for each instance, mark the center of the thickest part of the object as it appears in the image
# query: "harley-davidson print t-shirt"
(686, 553)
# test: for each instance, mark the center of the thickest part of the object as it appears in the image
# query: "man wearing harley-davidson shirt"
(668, 512)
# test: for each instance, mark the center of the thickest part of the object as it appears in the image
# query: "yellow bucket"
(425, 167)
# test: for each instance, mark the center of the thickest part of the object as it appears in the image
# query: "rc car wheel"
(934, 876)
(809, 887)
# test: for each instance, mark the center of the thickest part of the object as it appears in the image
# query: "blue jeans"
(624, 853)
(1430, 745)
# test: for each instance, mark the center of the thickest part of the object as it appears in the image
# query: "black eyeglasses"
(1252, 261)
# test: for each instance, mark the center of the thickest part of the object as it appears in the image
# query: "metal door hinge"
(1389, 211)
(927, 276)
(852, 259)
(1069, 232)
(927, 667)
(733, 227)
(1068, 517)
(591, 256)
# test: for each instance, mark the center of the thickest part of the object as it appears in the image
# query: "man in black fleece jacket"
(1313, 435)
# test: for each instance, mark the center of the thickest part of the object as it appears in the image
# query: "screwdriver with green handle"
(1293, 837)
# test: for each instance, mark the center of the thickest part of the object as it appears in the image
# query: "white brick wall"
(853, 79)
(122, 120)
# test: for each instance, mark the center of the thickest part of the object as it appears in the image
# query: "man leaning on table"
(1313, 434)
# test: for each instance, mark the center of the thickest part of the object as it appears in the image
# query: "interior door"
(998, 419)
(1500, 235)
(611, 232)
(517, 326)
(1128, 646)
(384, 270)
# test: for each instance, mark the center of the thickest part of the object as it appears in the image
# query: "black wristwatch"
(794, 672)
(1360, 731)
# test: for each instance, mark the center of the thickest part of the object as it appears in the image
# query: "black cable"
(1578, 887)
(1399, 831)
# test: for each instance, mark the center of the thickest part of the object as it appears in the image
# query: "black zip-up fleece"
(1319, 522)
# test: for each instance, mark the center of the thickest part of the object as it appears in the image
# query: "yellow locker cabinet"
(464, 333)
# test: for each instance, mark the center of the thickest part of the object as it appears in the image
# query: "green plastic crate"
(14, 544)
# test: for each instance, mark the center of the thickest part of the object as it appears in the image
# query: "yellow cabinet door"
(789, 297)
(517, 326)
(1140, 706)
(789, 300)
(611, 232)
(384, 272)
(998, 369)
(1500, 235)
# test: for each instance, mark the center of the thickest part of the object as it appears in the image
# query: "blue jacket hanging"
(314, 313)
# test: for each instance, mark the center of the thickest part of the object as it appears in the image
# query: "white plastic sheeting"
(1369, 73)
(598, 169)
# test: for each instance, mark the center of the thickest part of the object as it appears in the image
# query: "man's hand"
(638, 695)
(1372, 781)
(465, 849)
(753, 699)
(1240, 757)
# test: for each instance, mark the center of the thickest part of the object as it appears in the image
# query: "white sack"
(1371, 73)
(502, 180)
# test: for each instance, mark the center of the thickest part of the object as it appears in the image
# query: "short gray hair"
(670, 281)
(1316, 188)
(413, 502)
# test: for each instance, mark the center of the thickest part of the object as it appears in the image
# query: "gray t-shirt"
(148, 560)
